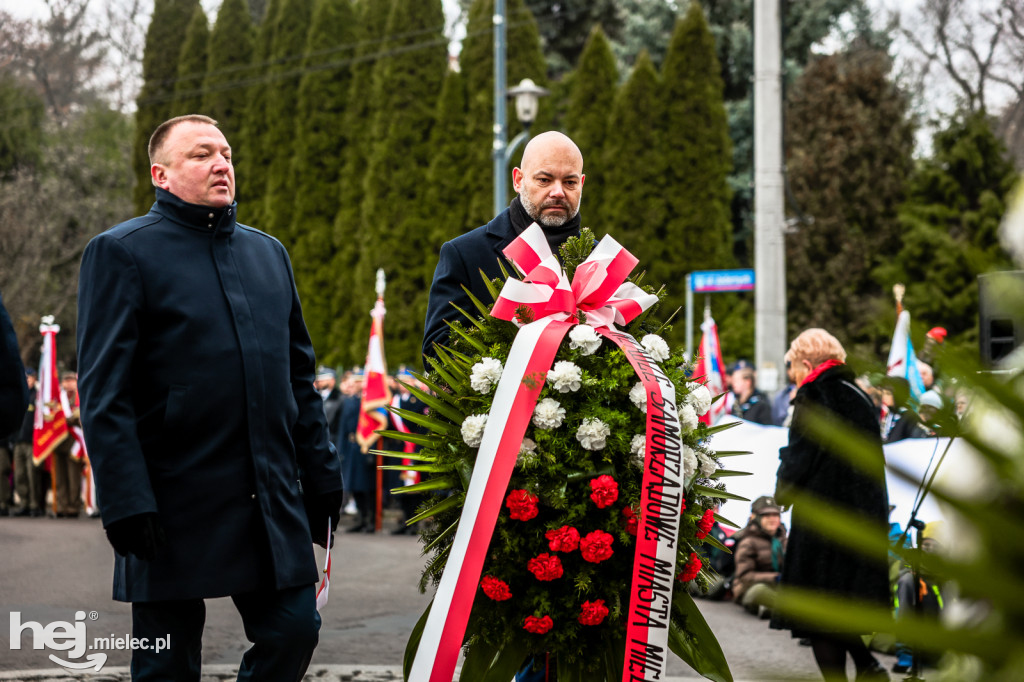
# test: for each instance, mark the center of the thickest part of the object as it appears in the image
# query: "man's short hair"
(156, 140)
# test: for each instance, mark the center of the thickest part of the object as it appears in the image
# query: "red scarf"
(819, 370)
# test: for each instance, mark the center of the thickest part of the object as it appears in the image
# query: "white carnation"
(527, 451)
(637, 447)
(584, 337)
(486, 374)
(638, 396)
(689, 462)
(473, 429)
(548, 414)
(708, 465)
(687, 417)
(592, 434)
(656, 347)
(699, 397)
(565, 376)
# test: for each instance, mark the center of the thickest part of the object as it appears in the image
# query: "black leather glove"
(318, 509)
(141, 535)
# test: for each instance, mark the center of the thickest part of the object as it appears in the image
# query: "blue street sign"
(711, 281)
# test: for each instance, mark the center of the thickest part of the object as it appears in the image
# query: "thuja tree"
(395, 216)
(228, 68)
(848, 158)
(591, 95)
(255, 155)
(285, 71)
(188, 89)
(697, 158)
(372, 17)
(525, 60)
(449, 142)
(159, 72)
(320, 144)
(948, 227)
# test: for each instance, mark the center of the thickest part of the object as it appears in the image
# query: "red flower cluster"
(545, 566)
(596, 546)
(632, 520)
(705, 524)
(564, 539)
(592, 612)
(606, 491)
(495, 589)
(538, 626)
(691, 569)
(522, 505)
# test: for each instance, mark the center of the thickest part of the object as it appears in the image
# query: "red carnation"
(538, 626)
(592, 612)
(632, 520)
(705, 524)
(606, 491)
(495, 589)
(522, 505)
(564, 539)
(596, 546)
(545, 566)
(691, 569)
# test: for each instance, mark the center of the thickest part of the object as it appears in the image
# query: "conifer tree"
(449, 141)
(159, 71)
(949, 228)
(405, 86)
(697, 155)
(525, 60)
(286, 55)
(591, 96)
(228, 68)
(372, 17)
(316, 167)
(188, 89)
(251, 164)
(634, 199)
(848, 161)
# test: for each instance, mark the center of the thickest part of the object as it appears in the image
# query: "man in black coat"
(213, 463)
(549, 182)
(13, 389)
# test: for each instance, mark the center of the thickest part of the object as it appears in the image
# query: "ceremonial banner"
(376, 394)
(50, 427)
(710, 367)
(902, 359)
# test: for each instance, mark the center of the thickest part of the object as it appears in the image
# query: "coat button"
(253, 496)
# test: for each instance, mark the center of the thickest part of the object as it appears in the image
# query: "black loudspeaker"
(1000, 314)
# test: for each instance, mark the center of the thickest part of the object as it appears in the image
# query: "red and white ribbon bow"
(599, 288)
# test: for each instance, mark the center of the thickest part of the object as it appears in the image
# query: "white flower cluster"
(527, 451)
(584, 337)
(486, 374)
(687, 417)
(699, 397)
(473, 429)
(708, 465)
(656, 347)
(565, 376)
(593, 434)
(689, 462)
(637, 447)
(638, 396)
(548, 414)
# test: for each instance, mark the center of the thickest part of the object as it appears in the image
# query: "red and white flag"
(376, 394)
(51, 426)
(710, 368)
(325, 585)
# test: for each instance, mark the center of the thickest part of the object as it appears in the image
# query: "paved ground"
(50, 568)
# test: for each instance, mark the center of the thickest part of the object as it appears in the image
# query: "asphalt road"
(51, 568)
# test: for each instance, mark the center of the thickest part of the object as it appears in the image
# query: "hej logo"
(61, 636)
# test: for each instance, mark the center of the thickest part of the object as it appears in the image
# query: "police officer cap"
(741, 364)
(764, 505)
(325, 373)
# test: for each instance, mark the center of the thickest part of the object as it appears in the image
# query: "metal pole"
(769, 207)
(689, 318)
(500, 116)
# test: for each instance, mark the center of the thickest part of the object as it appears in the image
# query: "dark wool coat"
(13, 389)
(459, 264)
(359, 467)
(814, 561)
(196, 375)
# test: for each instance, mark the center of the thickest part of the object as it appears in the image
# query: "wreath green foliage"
(559, 472)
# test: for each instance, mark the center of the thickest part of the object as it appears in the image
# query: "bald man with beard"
(549, 183)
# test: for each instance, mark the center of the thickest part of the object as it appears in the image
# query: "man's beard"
(549, 220)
